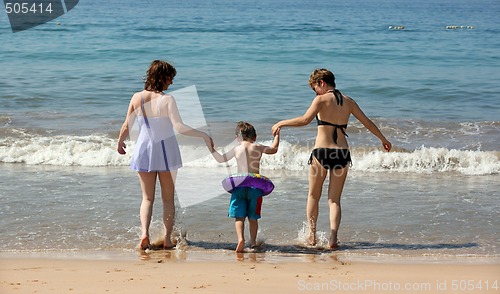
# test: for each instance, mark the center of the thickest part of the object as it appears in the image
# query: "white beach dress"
(156, 149)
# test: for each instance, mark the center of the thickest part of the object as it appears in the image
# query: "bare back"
(330, 111)
(154, 106)
(248, 157)
(247, 154)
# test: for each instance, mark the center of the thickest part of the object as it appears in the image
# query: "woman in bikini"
(332, 110)
(156, 154)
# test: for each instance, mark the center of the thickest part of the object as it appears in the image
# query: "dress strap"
(144, 112)
(158, 104)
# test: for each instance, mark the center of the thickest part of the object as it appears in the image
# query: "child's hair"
(246, 130)
(159, 71)
(321, 74)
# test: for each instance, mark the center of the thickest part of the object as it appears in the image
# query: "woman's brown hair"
(158, 73)
(321, 74)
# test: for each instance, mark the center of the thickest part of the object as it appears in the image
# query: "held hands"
(209, 142)
(276, 129)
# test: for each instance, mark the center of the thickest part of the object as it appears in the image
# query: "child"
(246, 201)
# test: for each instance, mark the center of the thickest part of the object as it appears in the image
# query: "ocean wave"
(431, 160)
(100, 150)
(5, 120)
(91, 150)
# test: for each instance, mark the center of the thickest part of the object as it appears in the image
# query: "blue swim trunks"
(245, 202)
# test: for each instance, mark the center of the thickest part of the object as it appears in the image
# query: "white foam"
(429, 160)
(100, 150)
(91, 150)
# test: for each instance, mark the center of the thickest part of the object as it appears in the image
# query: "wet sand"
(169, 272)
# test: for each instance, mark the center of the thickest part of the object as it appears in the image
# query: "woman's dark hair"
(158, 73)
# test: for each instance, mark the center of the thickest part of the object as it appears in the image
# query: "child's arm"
(222, 158)
(274, 146)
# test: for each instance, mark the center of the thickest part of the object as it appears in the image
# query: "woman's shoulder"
(167, 98)
(348, 98)
(136, 99)
(137, 95)
(327, 97)
(323, 98)
(350, 103)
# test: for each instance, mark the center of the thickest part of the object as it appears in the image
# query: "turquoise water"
(65, 88)
(260, 51)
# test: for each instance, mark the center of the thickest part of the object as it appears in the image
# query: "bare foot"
(333, 242)
(256, 244)
(144, 243)
(311, 240)
(333, 246)
(255, 247)
(168, 244)
(240, 247)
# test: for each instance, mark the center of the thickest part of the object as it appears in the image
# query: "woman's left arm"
(182, 128)
(371, 126)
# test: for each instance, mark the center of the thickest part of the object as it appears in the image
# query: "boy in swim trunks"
(246, 202)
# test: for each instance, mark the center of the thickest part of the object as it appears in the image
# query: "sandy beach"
(169, 272)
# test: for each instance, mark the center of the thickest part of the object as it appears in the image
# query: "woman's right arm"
(124, 131)
(300, 120)
(370, 125)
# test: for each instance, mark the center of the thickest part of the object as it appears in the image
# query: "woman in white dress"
(156, 154)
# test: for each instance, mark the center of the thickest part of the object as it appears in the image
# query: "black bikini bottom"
(331, 158)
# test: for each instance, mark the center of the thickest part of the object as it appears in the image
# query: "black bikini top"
(340, 101)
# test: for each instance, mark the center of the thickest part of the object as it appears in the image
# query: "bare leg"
(148, 185)
(317, 175)
(239, 225)
(167, 183)
(254, 227)
(337, 180)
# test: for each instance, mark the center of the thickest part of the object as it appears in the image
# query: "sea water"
(65, 87)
